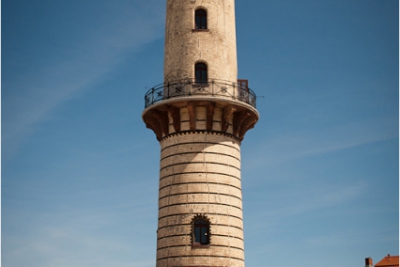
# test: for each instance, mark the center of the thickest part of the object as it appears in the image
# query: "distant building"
(368, 262)
(388, 261)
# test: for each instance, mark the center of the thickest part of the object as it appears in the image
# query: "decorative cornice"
(200, 132)
(159, 117)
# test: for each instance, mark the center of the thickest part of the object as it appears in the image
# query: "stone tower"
(200, 114)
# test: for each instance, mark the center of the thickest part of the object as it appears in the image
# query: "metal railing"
(189, 88)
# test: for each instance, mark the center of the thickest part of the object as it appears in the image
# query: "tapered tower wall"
(200, 175)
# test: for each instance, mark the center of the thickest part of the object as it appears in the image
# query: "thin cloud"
(314, 142)
(305, 200)
(31, 96)
(90, 236)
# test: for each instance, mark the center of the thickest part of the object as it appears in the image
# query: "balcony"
(190, 88)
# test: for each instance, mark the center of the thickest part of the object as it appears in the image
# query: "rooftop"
(388, 261)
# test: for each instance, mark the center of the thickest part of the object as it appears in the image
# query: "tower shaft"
(200, 115)
(200, 178)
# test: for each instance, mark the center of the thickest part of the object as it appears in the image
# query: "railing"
(189, 88)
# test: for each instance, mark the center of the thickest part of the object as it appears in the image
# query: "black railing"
(189, 87)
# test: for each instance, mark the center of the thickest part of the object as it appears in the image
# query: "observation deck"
(231, 105)
(191, 88)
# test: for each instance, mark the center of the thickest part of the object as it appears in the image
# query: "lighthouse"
(200, 114)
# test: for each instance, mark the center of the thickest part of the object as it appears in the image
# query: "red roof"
(389, 261)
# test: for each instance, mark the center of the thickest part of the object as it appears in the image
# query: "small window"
(201, 232)
(201, 19)
(201, 73)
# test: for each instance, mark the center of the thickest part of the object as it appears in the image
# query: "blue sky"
(80, 169)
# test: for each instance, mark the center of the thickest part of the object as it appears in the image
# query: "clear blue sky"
(80, 170)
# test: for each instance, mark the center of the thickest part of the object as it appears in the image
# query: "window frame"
(200, 19)
(201, 227)
(201, 73)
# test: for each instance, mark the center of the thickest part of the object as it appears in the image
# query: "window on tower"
(201, 73)
(201, 232)
(201, 19)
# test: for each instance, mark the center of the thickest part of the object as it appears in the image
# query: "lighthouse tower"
(200, 114)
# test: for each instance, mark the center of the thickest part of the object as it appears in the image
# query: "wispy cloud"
(305, 200)
(30, 96)
(313, 142)
(80, 237)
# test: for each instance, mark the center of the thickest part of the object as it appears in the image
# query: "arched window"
(201, 232)
(201, 19)
(201, 73)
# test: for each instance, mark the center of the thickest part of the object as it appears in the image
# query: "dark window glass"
(201, 73)
(201, 232)
(201, 19)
